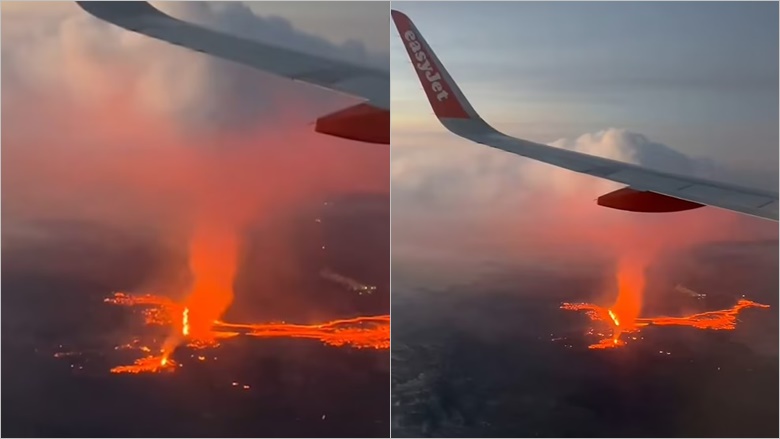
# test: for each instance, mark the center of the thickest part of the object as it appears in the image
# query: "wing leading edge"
(368, 121)
(647, 190)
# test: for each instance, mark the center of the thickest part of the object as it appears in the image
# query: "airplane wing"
(369, 121)
(647, 190)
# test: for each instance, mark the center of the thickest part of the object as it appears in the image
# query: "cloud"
(83, 59)
(470, 175)
(469, 201)
(456, 172)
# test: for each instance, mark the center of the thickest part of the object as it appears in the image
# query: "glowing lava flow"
(157, 311)
(213, 260)
(360, 332)
(146, 365)
(185, 322)
(725, 319)
(716, 320)
(624, 315)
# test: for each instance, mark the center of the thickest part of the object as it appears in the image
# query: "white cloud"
(64, 50)
(455, 197)
(458, 173)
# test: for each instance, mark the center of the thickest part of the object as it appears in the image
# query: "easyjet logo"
(424, 64)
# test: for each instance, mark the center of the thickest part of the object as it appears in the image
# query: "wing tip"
(398, 15)
(443, 93)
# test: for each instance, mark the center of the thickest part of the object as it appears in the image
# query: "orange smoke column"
(631, 285)
(213, 261)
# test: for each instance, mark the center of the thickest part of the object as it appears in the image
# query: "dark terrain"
(53, 291)
(496, 357)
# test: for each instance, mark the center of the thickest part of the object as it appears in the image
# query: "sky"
(701, 77)
(688, 87)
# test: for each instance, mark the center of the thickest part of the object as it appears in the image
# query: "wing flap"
(363, 82)
(640, 201)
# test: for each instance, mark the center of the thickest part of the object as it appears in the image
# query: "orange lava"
(158, 310)
(725, 319)
(148, 364)
(213, 260)
(360, 332)
(623, 315)
(716, 320)
(185, 322)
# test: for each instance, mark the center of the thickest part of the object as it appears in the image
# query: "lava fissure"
(366, 332)
(720, 320)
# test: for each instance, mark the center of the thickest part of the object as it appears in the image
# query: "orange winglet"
(430, 71)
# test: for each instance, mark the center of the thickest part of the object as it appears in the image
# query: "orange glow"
(149, 364)
(725, 319)
(607, 343)
(624, 317)
(213, 261)
(613, 317)
(185, 322)
(158, 309)
(631, 285)
(717, 320)
(623, 314)
(371, 332)
(360, 332)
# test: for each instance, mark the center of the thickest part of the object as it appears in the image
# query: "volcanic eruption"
(623, 316)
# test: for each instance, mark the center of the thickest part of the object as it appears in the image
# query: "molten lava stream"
(146, 365)
(725, 319)
(623, 315)
(359, 332)
(372, 332)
